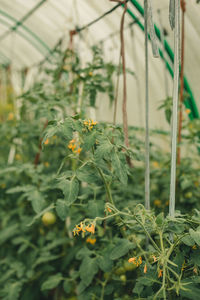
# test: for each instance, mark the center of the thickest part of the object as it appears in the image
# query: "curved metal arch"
(192, 102)
(31, 33)
(3, 22)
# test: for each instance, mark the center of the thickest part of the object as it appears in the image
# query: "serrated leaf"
(188, 240)
(67, 129)
(160, 219)
(62, 209)
(49, 132)
(87, 174)
(103, 149)
(119, 168)
(52, 282)
(88, 269)
(14, 290)
(195, 235)
(89, 141)
(8, 232)
(121, 248)
(105, 263)
(37, 200)
(70, 190)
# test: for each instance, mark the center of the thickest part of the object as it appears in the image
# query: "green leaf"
(88, 269)
(70, 190)
(87, 174)
(119, 167)
(62, 209)
(160, 219)
(187, 240)
(103, 149)
(52, 282)
(14, 290)
(8, 232)
(49, 132)
(89, 141)
(105, 263)
(67, 129)
(195, 235)
(37, 201)
(122, 248)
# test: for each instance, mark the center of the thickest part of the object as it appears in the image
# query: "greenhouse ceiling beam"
(3, 22)
(193, 106)
(31, 33)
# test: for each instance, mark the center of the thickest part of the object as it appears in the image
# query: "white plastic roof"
(53, 19)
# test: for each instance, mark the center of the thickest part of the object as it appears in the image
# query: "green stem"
(106, 185)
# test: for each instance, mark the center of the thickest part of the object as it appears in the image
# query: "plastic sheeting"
(36, 36)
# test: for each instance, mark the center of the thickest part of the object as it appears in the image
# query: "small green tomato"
(123, 278)
(48, 218)
(120, 271)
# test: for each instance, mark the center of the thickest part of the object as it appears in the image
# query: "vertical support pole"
(183, 4)
(147, 166)
(175, 107)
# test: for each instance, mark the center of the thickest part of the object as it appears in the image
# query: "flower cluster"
(136, 261)
(89, 124)
(74, 146)
(82, 227)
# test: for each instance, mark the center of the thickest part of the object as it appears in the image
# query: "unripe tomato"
(120, 271)
(123, 278)
(129, 266)
(48, 218)
(188, 195)
(107, 275)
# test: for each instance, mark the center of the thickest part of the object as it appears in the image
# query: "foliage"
(55, 161)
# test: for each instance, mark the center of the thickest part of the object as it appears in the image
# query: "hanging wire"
(152, 33)
(172, 13)
(175, 107)
(147, 150)
(138, 86)
(163, 49)
(79, 29)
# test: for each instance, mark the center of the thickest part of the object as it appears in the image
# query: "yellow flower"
(155, 164)
(72, 142)
(154, 258)
(109, 210)
(135, 261)
(91, 241)
(195, 270)
(183, 266)
(188, 111)
(46, 164)
(18, 156)
(139, 262)
(132, 260)
(145, 268)
(160, 273)
(89, 124)
(79, 228)
(157, 202)
(194, 247)
(90, 228)
(78, 150)
(10, 116)
(46, 142)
